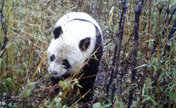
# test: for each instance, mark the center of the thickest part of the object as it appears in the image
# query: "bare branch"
(135, 50)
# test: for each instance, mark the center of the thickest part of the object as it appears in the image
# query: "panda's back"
(76, 15)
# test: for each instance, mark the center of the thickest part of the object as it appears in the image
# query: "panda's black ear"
(57, 32)
(84, 44)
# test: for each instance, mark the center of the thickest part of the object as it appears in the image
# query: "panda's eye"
(66, 64)
(52, 57)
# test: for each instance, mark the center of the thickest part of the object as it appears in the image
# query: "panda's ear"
(84, 44)
(57, 32)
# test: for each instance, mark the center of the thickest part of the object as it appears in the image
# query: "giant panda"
(76, 47)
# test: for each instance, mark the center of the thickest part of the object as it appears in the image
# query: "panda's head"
(73, 43)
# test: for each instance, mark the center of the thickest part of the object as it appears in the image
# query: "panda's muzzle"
(54, 73)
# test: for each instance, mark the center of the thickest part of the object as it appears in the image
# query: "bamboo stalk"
(146, 53)
(9, 50)
(160, 7)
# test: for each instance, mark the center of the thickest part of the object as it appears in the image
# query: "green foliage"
(0, 61)
(8, 80)
(118, 104)
(31, 85)
(77, 83)
(139, 55)
(141, 66)
(65, 84)
(26, 93)
(97, 105)
(58, 102)
(149, 98)
(173, 2)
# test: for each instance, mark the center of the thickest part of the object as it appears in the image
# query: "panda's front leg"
(55, 80)
(87, 85)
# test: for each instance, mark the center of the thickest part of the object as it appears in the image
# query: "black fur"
(52, 57)
(57, 32)
(84, 44)
(66, 64)
(91, 68)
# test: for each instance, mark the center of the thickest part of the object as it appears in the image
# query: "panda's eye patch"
(84, 44)
(52, 57)
(57, 32)
(66, 64)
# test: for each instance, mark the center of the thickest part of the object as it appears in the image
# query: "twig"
(4, 27)
(119, 38)
(97, 95)
(146, 52)
(119, 35)
(135, 50)
(112, 68)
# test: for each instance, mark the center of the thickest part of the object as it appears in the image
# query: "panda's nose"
(51, 71)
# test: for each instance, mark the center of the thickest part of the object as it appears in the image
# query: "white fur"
(67, 45)
(70, 16)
